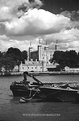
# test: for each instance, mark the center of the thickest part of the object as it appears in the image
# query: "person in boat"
(25, 74)
(26, 82)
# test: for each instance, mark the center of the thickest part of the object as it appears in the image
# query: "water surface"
(12, 110)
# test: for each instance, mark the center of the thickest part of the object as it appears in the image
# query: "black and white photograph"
(39, 60)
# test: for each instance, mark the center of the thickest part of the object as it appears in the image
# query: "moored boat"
(46, 91)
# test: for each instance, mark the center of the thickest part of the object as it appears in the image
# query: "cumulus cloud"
(22, 18)
(22, 45)
(6, 42)
(5, 14)
(67, 39)
(4, 37)
(15, 8)
(15, 3)
(73, 15)
(65, 36)
(37, 22)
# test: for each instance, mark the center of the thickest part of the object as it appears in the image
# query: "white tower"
(29, 52)
(42, 52)
(56, 45)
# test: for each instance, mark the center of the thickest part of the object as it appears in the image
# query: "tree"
(8, 63)
(67, 58)
(15, 54)
(11, 58)
(1, 55)
(24, 56)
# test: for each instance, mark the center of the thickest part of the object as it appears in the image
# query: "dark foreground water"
(12, 110)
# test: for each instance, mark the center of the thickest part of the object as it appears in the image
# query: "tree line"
(67, 58)
(11, 58)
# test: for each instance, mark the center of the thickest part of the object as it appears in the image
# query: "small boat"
(45, 91)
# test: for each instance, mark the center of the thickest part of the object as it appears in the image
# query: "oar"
(39, 82)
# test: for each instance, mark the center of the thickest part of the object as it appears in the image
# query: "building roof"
(29, 63)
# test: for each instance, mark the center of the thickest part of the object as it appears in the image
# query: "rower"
(25, 74)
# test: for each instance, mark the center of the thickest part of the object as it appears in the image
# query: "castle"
(41, 62)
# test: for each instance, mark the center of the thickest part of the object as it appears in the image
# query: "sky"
(27, 21)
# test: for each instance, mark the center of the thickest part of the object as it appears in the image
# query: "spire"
(46, 42)
(29, 52)
(56, 45)
(30, 43)
(39, 41)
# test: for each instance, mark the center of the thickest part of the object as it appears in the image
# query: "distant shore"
(55, 73)
(12, 74)
(40, 73)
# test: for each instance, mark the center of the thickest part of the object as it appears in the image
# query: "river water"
(12, 110)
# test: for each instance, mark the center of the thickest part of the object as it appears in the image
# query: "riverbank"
(40, 73)
(12, 74)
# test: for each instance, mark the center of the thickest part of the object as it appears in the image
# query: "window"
(22, 67)
(35, 67)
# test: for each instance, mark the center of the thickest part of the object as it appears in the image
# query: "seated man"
(25, 74)
(25, 78)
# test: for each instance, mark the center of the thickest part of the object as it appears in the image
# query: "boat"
(64, 92)
(59, 94)
(20, 89)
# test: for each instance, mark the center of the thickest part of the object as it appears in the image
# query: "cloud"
(66, 39)
(65, 36)
(37, 22)
(4, 37)
(14, 3)
(21, 18)
(15, 8)
(73, 15)
(6, 42)
(22, 45)
(5, 14)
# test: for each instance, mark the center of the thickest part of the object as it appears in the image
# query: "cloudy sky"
(25, 21)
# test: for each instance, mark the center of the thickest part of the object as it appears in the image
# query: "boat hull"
(20, 90)
(58, 94)
(46, 93)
